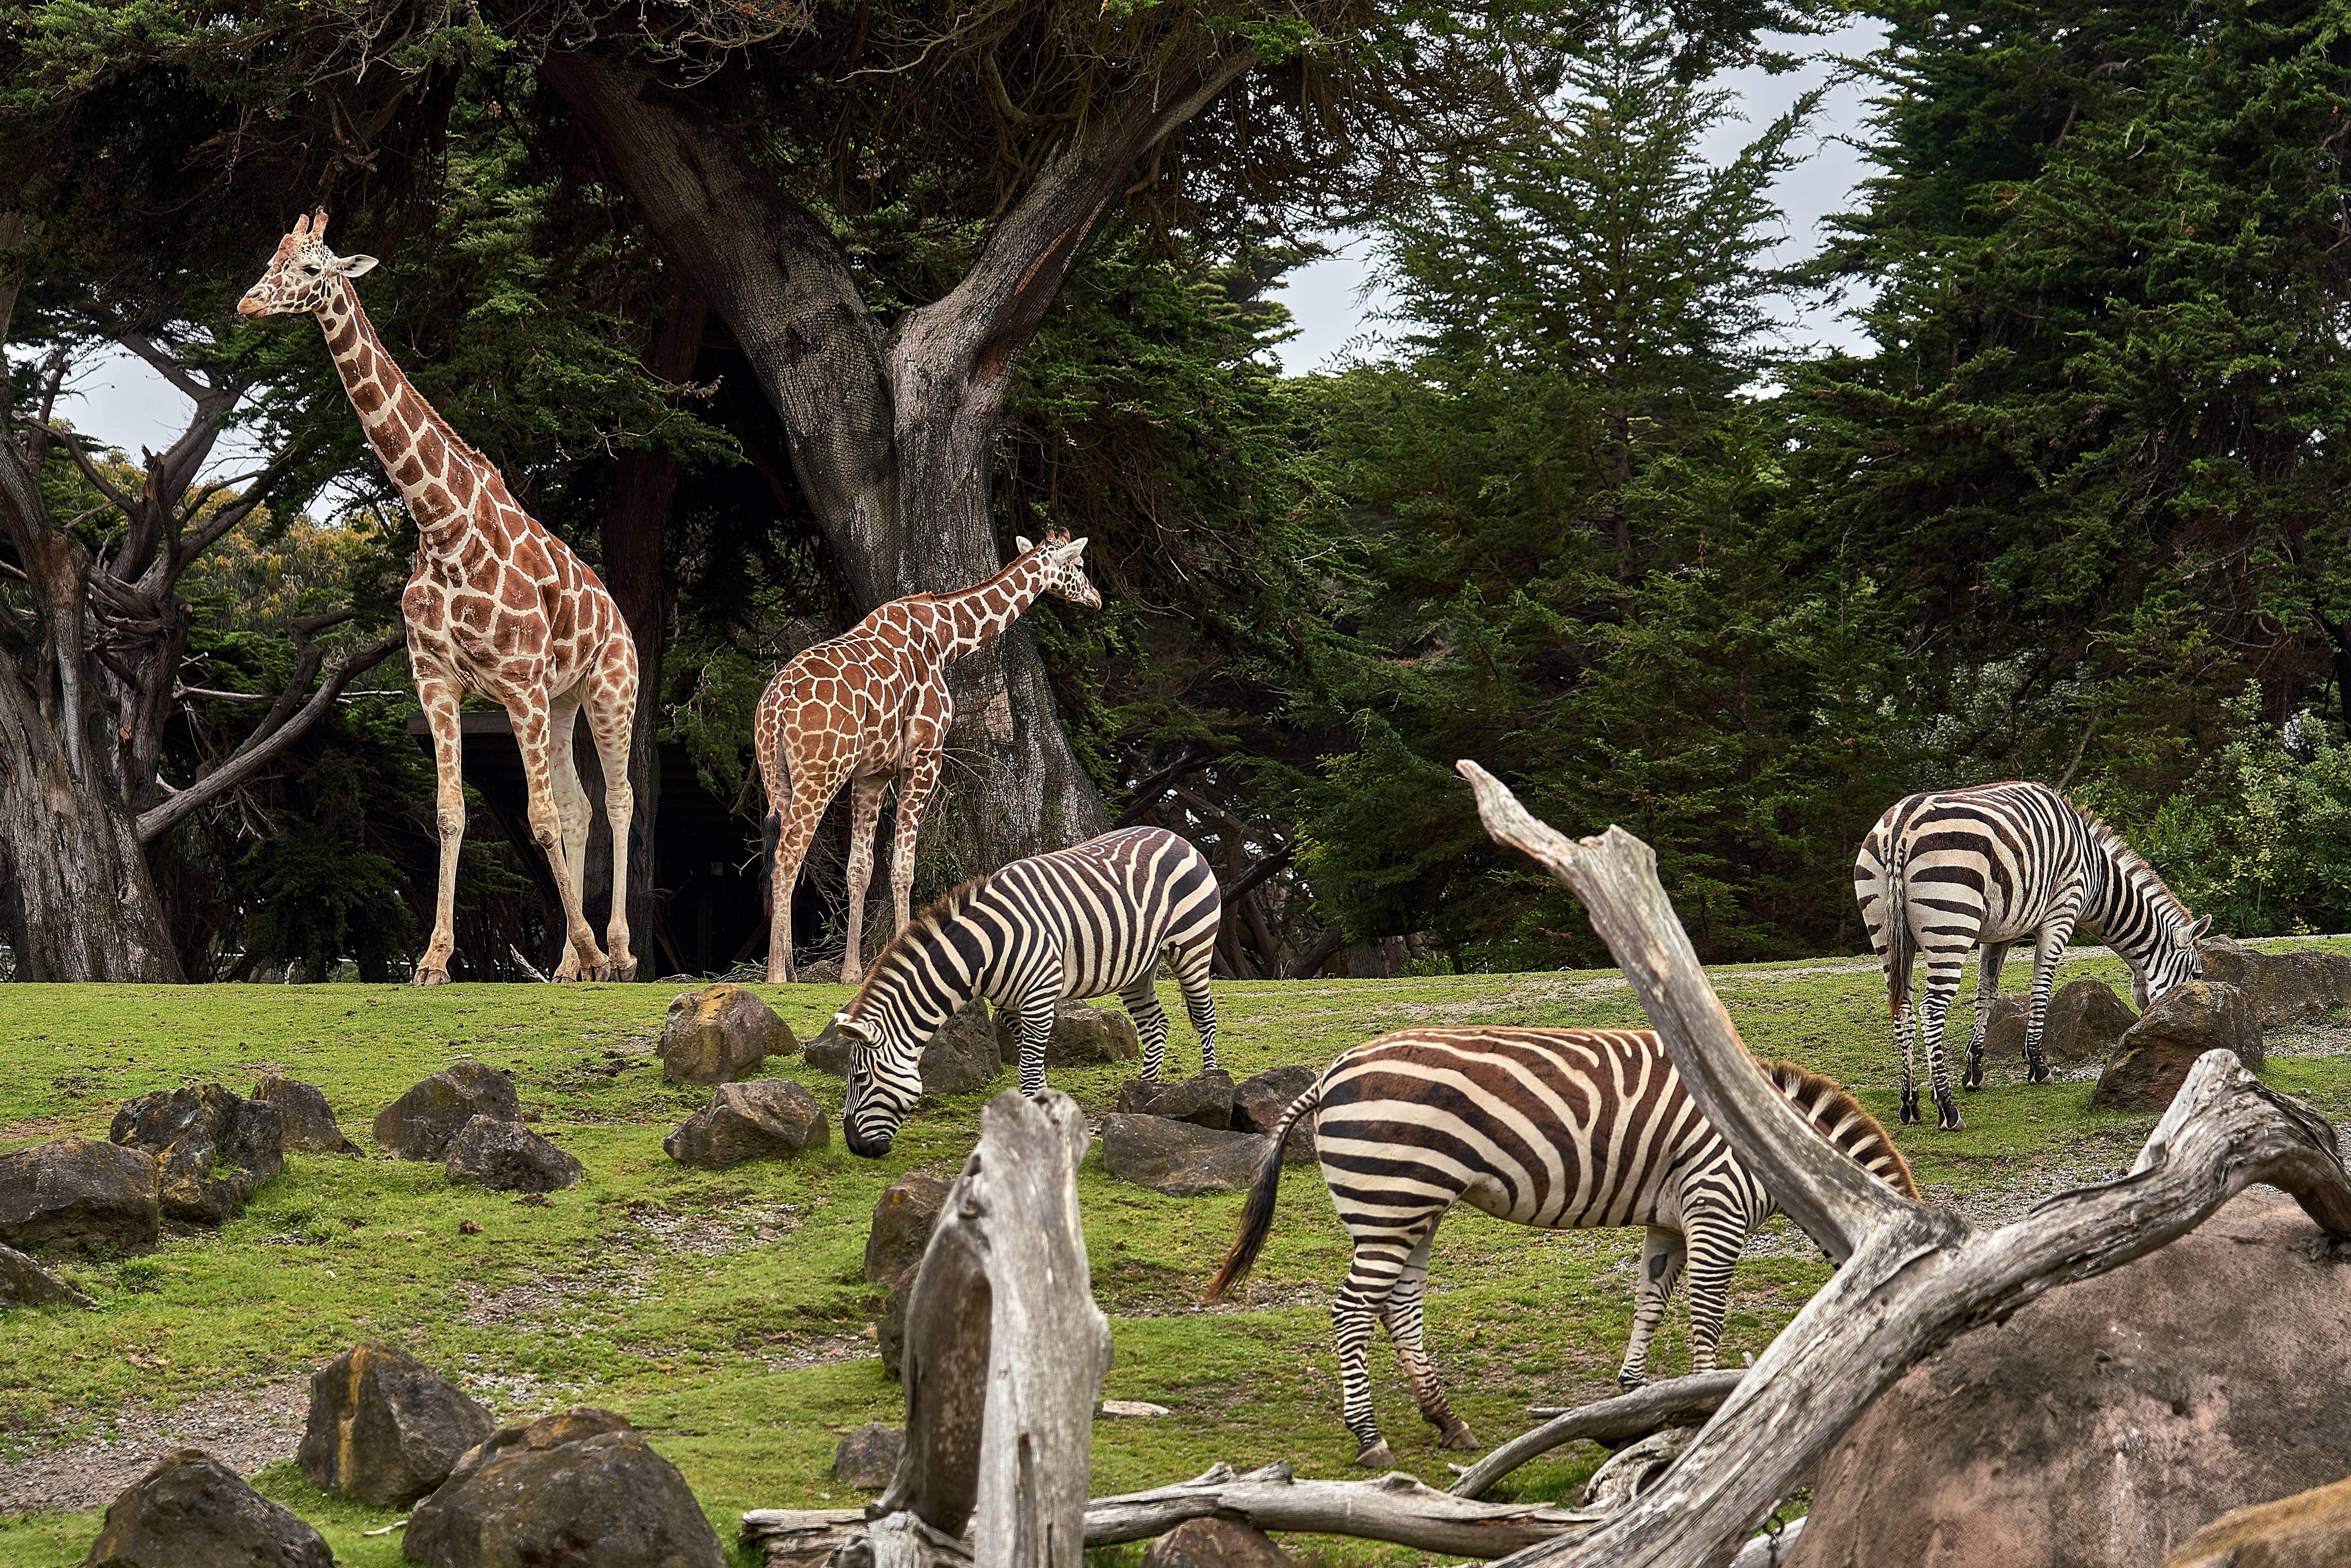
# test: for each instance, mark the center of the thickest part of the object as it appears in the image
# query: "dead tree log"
(1395, 1506)
(1671, 1402)
(1914, 1278)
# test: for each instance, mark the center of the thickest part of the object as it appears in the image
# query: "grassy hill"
(727, 1314)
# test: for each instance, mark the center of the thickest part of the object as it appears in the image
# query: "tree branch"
(1914, 1279)
(1149, 792)
(272, 737)
(1671, 1402)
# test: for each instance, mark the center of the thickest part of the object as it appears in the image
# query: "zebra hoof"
(1949, 1120)
(2039, 1074)
(1456, 1435)
(1910, 1117)
(1378, 1457)
(1629, 1381)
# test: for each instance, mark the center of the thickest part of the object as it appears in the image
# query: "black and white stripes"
(1943, 872)
(1563, 1129)
(1081, 921)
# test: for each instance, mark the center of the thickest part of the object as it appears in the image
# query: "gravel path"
(248, 1431)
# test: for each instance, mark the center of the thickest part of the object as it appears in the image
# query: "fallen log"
(1671, 1402)
(1913, 1278)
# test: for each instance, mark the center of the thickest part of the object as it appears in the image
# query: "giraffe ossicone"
(872, 706)
(496, 605)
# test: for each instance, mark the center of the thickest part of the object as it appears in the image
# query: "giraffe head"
(1065, 572)
(302, 274)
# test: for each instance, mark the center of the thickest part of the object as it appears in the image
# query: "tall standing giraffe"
(495, 605)
(873, 704)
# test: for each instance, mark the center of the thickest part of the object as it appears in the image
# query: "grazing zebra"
(1079, 922)
(1565, 1129)
(1944, 870)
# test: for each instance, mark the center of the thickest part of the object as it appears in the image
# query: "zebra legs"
(1988, 959)
(1381, 1258)
(1662, 1251)
(2048, 946)
(1193, 977)
(1934, 1006)
(1714, 1240)
(1033, 1021)
(1142, 999)
(1405, 1331)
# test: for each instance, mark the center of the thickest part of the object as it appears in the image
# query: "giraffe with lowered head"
(871, 706)
(496, 605)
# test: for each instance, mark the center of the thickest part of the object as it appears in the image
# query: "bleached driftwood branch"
(1913, 1278)
(1669, 1402)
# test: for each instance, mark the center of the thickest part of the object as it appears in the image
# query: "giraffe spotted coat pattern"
(873, 706)
(495, 605)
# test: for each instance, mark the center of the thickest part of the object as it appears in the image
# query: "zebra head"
(1065, 572)
(883, 1084)
(2174, 961)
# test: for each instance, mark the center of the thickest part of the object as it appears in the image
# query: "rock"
(828, 1052)
(768, 1118)
(2283, 988)
(2309, 1530)
(79, 1193)
(2085, 1021)
(1205, 1099)
(213, 1149)
(902, 1222)
(2102, 1423)
(384, 1428)
(581, 1488)
(962, 1056)
(510, 1158)
(1082, 1034)
(823, 972)
(2155, 1055)
(1137, 1408)
(867, 1457)
(25, 1283)
(1179, 1158)
(193, 1512)
(1258, 1102)
(420, 1124)
(304, 1117)
(2003, 1037)
(720, 1034)
(1215, 1543)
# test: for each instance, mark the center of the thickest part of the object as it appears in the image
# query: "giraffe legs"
(864, 813)
(610, 719)
(915, 786)
(571, 812)
(439, 698)
(535, 732)
(797, 801)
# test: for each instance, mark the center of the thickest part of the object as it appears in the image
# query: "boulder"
(890, 1334)
(828, 1052)
(2155, 1055)
(867, 1457)
(193, 1512)
(720, 1034)
(2283, 988)
(79, 1193)
(213, 1149)
(902, 1222)
(384, 1428)
(581, 1488)
(768, 1118)
(1082, 1034)
(2309, 1530)
(962, 1056)
(2085, 1018)
(1258, 1102)
(2102, 1423)
(2003, 1037)
(420, 1124)
(304, 1117)
(510, 1158)
(25, 1283)
(1215, 1543)
(1179, 1158)
(1205, 1099)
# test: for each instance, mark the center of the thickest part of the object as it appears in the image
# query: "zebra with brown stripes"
(1563, 1129)
(1946, 871)
(1093, 918)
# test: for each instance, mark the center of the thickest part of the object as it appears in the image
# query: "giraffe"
(495, 605)
(873, 704)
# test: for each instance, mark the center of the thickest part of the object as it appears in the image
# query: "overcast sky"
(124, 403)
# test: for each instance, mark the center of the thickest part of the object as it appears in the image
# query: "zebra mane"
(1830, 1107)
(2130, 862)
(927, 921)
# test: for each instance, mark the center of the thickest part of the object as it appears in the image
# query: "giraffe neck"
(437, 475)
(978, 614)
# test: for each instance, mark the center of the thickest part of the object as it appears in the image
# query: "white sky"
(122, 403)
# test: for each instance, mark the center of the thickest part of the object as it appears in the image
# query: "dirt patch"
(248, 1431)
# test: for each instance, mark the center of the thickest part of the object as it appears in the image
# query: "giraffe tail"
(770, 832)
(1256, 1215)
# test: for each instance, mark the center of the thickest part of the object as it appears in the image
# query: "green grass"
(710, 1353)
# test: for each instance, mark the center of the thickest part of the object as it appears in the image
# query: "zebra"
(1946, 870)
(1081, 922)
(1563, 1129)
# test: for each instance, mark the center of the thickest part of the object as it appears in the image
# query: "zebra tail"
(1256, 1215)
(1898, 953)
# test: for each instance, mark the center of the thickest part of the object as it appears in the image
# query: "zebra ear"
(848, 1028)
(2195, 933)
